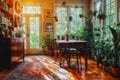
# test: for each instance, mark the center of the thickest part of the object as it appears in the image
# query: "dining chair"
(60, 54)
(76, 50)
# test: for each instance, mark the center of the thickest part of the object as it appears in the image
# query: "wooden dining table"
(72, 44)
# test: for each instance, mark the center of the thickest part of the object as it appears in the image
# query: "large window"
(64, 24)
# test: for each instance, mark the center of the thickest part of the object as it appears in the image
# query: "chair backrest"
(55, 45)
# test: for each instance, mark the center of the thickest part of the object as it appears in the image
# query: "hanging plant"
(94, 12)
(81, 15)
(70, 18)
(56, 19)
(101, 16)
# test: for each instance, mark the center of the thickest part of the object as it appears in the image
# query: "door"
(32, 37)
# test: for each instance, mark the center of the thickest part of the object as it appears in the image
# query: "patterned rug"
(39, 68)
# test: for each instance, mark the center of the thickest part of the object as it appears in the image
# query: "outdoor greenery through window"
(98, 8)
(31, 10)
(64, 23)
(110, 12)
(119, 11)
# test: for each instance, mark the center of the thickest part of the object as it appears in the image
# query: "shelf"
(6, 14)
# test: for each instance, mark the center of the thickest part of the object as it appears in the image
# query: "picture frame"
(48, 14)
(48, 26)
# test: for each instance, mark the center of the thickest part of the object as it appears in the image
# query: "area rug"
(39, 68)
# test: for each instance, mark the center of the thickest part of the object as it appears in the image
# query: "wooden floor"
(92, 73)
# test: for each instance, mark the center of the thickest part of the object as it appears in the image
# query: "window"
(119, 11)
(76, 21)
(110, 9)
(31, 10)
(64, 24)
(110, 19)
(98, 7)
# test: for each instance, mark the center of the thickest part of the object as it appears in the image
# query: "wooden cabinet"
(11, 50)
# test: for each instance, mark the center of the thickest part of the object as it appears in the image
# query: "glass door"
(32, 37)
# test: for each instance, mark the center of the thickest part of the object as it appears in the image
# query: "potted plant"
(94, 13)
(101, 15)
(81, 15)
(19, 32)
(67, 37)
(116, 41)
(56, 19)
(4, 31)
(88, 24)
(70, 18)
(46, 44)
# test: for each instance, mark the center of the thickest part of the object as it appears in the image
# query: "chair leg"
(80, 61)
(68, 59)
(77, 55)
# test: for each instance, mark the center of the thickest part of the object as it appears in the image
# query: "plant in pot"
(94, 13)
(4, 31)
(46, 44)
(67, 36)
(101, 15)
(19, 32)
(115, 30)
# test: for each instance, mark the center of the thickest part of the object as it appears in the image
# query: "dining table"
(73, 44)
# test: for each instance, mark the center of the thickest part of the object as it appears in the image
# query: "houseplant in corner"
(46, 44)
(115, 30)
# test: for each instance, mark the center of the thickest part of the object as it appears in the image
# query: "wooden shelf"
(6, 14)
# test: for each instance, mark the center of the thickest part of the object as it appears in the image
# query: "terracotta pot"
(116, 71)
(67, 39)
(50, 52)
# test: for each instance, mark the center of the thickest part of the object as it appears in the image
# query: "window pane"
(112, 19)
(34, 32)
(113, 7)
(76, 21)
(61, 29)
(32, 9)
(61, 25)
(61, 13)
(108, 9)
(98, 5)
(107, 20)
(108, 2)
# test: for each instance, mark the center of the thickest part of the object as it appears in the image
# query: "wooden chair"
(56, 49)
(59, 54)
(76, 50)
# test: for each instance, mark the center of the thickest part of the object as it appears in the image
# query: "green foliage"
(4, 31)
(19, 32)
(115, 30)
(101, 15)
(81, 33)
(46, 40)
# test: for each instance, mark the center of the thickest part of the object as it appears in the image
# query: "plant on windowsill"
(67, 36)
